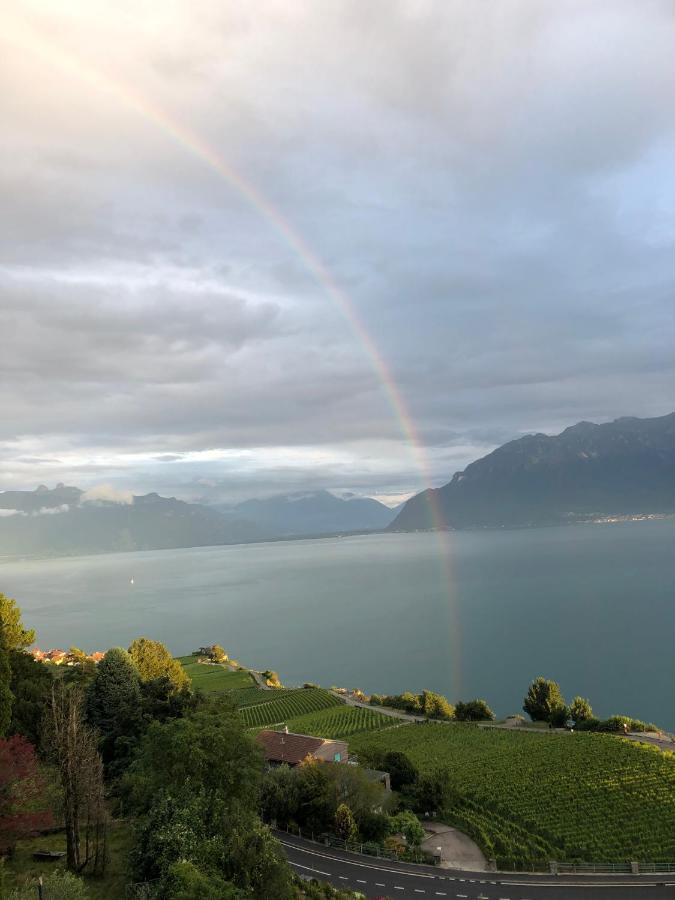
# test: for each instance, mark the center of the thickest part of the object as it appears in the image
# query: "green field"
(523, 796)
(289, 705)
(340, 722)
(214, 679)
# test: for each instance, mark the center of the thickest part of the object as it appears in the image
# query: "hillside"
(621, 468)
(57, 522)
(315, 512)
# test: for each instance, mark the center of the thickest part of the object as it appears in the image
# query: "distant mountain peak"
(620, 468)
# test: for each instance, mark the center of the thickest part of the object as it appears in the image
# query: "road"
(381, 878)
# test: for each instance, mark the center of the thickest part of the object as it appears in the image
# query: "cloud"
(490, 186)
(6, 513)
(52, 510)
(106, 493)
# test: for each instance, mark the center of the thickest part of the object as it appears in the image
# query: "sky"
(250, 248)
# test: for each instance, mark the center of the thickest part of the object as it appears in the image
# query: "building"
(292, 749)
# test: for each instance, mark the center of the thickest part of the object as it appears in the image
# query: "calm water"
(590, 606)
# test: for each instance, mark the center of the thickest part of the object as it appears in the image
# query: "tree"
(473, 711)
(580, 710)
(73, 745)
(31, 686)
(218, 654)
(402, 770)
(6, 697)
(195, 791)
(434, 791)
(559, 716)
(185, 881)
(16, 636)
(153, 660)
(543, 696)
(114, 708)
(345, 826)
(280, 797)
(435, 706)
(407, 824)
(23, 808)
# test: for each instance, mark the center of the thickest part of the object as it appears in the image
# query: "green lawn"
(522, 796)
(22, 867)
(214, 679)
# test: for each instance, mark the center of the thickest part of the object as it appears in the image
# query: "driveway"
(457, 850)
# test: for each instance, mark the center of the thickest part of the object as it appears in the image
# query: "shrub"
(57, 886)
(473, 711)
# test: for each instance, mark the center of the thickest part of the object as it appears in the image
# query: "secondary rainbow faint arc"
(188, 139)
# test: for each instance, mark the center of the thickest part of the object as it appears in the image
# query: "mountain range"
(67, 521)
(620, 468)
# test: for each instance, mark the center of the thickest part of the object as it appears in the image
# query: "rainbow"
(21, 36)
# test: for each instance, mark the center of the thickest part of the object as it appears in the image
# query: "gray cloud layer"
(491, 184)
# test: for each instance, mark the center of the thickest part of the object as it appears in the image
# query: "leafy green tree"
(543, 696)
(473, 711)
(218, 654)
(31, 685)
(280, 798)
(114, 707)
(6, 696)
(160, 701)
(153, 660)
(185, 881)
(345, 826)
(435, 706)
(195, 791)
(16, 636)
(580, 710)
(407, 824)
(434, 791)
(402, 770)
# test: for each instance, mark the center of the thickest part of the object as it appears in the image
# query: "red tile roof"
(288, 748)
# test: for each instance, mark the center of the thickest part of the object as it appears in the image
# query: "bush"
(473, 711)
(580, 710)
(61, 885)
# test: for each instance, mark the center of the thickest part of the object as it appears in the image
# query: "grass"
(22, 868)
(523, 795)
(340, 722)
(215, 679)
(285, 705)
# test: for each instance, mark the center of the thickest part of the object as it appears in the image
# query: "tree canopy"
(542, 700)
(473, 711)
(153, 660)
(16, 636)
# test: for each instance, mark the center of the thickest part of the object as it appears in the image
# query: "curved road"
(381, 878)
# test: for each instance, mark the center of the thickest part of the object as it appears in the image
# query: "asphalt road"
(380, 878)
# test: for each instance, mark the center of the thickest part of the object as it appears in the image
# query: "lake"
(467, 614)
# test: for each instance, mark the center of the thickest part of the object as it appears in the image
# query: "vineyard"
(525, 796)
(340, 722)
(214, 678)
(289, 705)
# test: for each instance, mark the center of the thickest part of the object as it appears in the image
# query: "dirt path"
(385, 710)
(457, 850)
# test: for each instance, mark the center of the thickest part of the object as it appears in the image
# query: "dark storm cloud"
(491, 184)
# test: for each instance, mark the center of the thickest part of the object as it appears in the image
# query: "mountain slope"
(42, 526)
(625, 467)
(316, 512)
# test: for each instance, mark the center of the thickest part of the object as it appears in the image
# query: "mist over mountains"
(620, 468)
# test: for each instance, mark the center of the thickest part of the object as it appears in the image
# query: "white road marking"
(343, 877)
(398, 888)
(318, 871)
(379, 884)
(441, 894)
(361, 881)
(418, 891)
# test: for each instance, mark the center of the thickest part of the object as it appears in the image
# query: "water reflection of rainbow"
(26, 39)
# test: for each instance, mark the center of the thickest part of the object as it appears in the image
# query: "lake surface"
(592, 606)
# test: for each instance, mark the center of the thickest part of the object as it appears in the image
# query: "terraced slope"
(522, 796)
(340, 722)
(289, 705)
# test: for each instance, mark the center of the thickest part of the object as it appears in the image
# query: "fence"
(366, 848)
